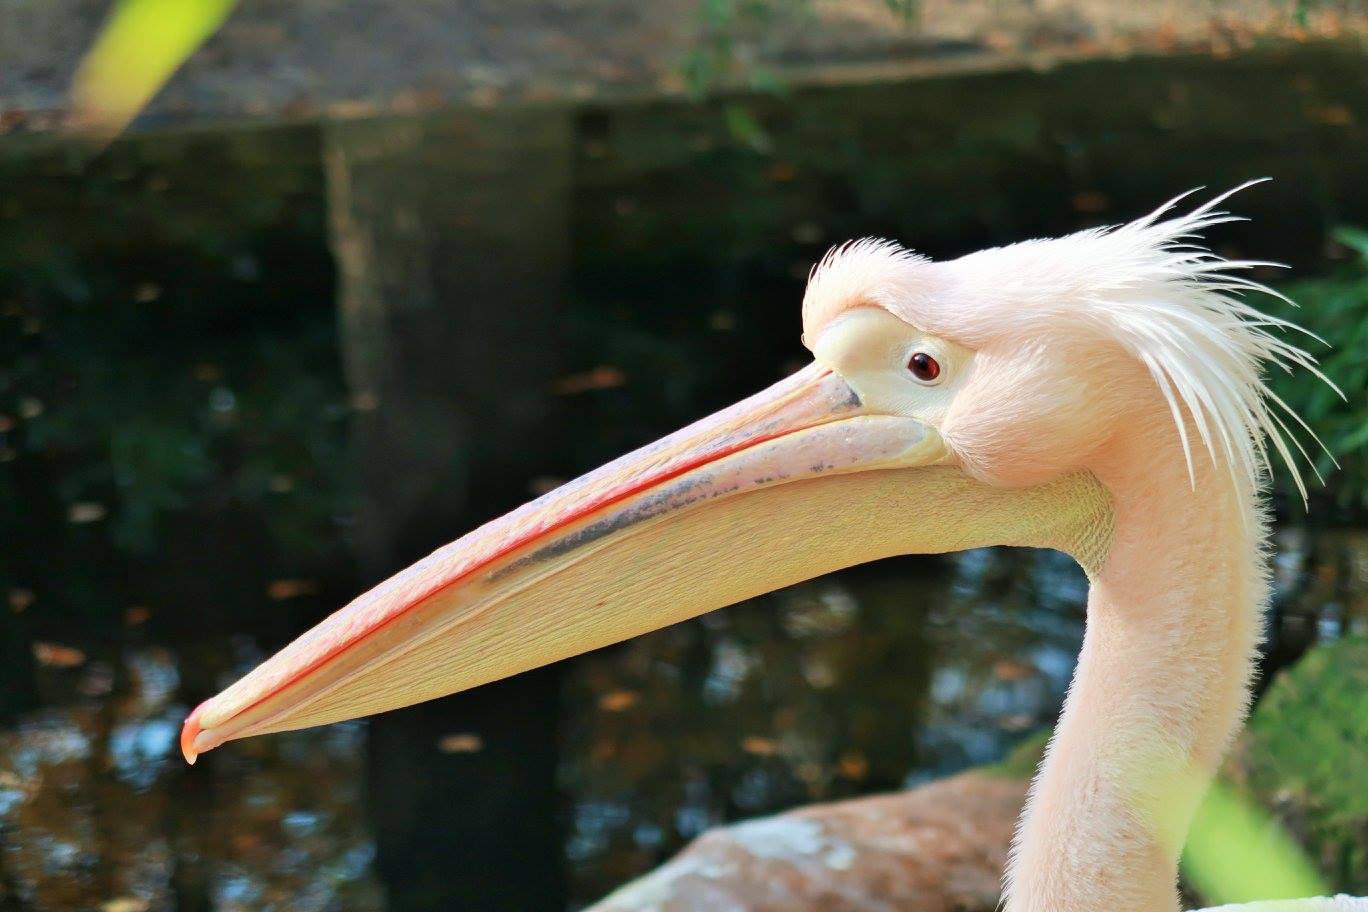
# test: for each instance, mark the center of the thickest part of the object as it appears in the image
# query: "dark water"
(244, 375)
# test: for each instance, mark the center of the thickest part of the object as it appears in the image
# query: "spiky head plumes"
(1147, 292)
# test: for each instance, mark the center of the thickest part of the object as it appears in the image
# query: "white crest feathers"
(1149, 285)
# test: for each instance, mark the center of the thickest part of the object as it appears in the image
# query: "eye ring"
(924, 367)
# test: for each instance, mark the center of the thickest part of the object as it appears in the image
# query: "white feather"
(1149, 285)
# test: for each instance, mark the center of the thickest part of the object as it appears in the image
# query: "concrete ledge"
(323, 59)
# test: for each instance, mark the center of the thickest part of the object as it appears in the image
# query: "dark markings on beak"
(674, 497)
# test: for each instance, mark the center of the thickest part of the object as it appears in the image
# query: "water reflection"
(819, 691)
(877, 678)
(880, 677)
(97, 811)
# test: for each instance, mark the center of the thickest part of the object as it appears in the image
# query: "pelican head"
(948, 405)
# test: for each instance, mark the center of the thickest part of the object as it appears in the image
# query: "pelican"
(1101, 394)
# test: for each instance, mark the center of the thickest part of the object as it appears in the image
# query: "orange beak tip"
(189, 732)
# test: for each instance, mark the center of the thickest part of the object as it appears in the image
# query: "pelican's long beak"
(791, 483)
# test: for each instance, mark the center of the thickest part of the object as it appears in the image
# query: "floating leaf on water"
(760, 746)
(282, 589)
(365, 401)
(147, 292)
(1333, 115)
(619, 700)
(1013, 670)
(1090, 201)
(853, 765)
(461, 743)
(599, 378)
(125, 904)
(55, 655)
(543, 484)
(86, 511)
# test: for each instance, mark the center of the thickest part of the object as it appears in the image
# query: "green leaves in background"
(1305, 757)
(1297, 779)
(142, 43)
(1336, 307)
(1236, 852)
(729, 31)
(1288, 816)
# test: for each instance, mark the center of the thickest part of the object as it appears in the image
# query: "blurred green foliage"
(1236, 850)
(727, 30)
(1336, 305)
(1304, 757)
(1288, 817)
(1236, 853)
(141, 44)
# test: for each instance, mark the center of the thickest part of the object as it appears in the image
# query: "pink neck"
(1161, 686)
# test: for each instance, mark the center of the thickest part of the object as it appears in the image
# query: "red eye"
(923, 367)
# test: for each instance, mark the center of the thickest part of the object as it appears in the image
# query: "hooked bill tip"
(189, 732)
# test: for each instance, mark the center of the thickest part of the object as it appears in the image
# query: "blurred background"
(363, 275)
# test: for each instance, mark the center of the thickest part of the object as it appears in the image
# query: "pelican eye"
(924, 367)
